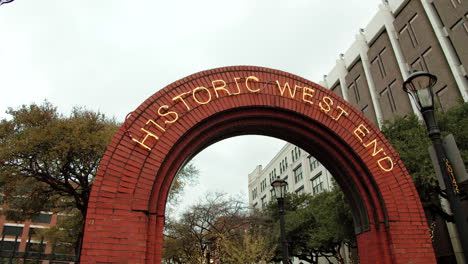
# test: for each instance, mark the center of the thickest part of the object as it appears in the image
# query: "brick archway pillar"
(127, 205)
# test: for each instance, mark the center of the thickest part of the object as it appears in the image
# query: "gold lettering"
(362, 130)
(341, 113)
(375, 147)
(175, 115)
(182, 99)
(237, 85)
(328, 104)
(204, 89)
(222, 87)
(148, 134)
(389, 163)
(308, 92)
(247, 83)
(454, 179)
(286, 85)
(154, 123)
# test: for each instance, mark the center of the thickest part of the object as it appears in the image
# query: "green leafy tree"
(334, 225)
(45, 155)
(317, 226)
(48, 163)
(409, 138)
(455, 121)
(64, 236)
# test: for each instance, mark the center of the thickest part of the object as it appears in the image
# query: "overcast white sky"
(110, 55)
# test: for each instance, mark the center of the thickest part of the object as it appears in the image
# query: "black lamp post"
(279, 186)
(419, 86)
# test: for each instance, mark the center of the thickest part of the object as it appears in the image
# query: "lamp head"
(279, 186)
(419, 85)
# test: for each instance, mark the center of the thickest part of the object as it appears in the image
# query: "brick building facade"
(402, 37)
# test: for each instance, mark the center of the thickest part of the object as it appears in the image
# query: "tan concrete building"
(304, 174)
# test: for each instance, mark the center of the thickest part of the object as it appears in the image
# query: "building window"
(264, 202)
(317, 184)
(272, 175)
(287, 186)
(388, 94)
(12, 230)
(300, 190)
(298, 174)
(314, 163)
(364, 109)
(295, 153)
(355, 89)
(378, 62)
(9, 245)
(254, 193)
(33, 231)
(43, 218)
(283, 165)
(263, 185)
(35, 247)
(272, 193)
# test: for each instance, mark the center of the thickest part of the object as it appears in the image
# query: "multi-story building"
(404, 36)
(303, 173)
(20, 235)
(20, 240)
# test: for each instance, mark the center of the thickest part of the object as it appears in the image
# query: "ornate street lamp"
(279, 187)
(419, 86)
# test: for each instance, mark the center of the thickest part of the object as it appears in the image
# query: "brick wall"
(126, 210)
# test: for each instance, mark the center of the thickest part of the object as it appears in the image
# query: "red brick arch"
(127, 205)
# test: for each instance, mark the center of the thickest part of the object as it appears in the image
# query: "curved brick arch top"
(126, 210)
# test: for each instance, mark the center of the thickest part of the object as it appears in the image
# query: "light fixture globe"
(279, 186)
(419, 85)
